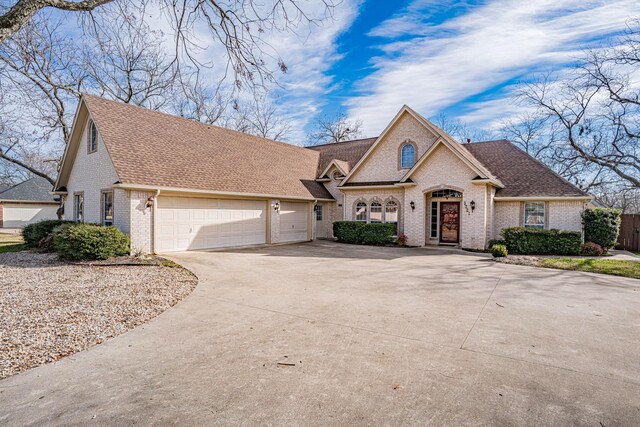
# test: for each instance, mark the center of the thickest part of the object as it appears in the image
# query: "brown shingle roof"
(347, 151)
(521, 174)
(157, 149)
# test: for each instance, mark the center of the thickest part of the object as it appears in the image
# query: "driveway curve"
(328, 334)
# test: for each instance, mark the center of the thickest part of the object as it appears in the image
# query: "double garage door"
(191, 223)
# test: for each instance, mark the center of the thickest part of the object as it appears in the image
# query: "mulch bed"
(50, 309)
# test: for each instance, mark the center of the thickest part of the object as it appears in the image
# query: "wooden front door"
(449, 222)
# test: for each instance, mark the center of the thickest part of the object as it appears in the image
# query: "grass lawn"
(595, 265)
(11, 243)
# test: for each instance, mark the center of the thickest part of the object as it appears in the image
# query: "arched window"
(376, 212)
(92, 138)
(407, 156)
(361, 211)
(391, 213)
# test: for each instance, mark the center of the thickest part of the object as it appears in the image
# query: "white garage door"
(294, 217)
(19, 215)
(190, 223)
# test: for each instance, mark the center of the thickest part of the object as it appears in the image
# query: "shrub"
(402, 239)
(494, 242)
(520, 240)
(89, 242)
(33, 233)
(499, 251)
(592, 249)
(601, 226)
(378, 233)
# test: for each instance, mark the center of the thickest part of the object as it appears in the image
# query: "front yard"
(614, 267)
(10, 242)
(50, 309)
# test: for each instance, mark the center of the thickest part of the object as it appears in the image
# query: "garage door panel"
(294, 217)
(196, 223)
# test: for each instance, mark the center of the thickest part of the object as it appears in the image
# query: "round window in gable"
(336, 175)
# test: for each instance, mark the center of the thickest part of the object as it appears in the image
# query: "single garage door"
(191, 223)
(16, 215)
(294, 221)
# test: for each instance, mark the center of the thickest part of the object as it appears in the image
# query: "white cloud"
(486, 47)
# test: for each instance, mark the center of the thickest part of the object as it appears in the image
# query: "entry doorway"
(449, 222)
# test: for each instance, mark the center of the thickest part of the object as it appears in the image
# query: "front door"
(449, 222)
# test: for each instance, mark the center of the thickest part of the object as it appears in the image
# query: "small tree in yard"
(601, 226)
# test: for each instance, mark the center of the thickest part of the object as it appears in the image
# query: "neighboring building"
(173, 184)
(27, 202)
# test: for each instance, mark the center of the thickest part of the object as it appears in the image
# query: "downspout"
(155, 222)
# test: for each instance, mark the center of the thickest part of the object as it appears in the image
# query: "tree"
(238, 26)
(335, 129)
(459, 130)
(597, 108)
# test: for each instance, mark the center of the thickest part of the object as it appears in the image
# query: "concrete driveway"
(329, 334)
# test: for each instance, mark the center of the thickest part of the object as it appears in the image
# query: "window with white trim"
(92, 138)
(78, 207)
(407, 156)
(391, 213)
(376, 212)
(361, 211)
(534, 215)
(107, 208)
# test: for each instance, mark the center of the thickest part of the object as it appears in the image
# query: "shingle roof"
(35, 189)
(347, 151)
(157, 149)
(521, 174)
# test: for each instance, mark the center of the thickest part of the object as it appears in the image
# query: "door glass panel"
(449, 222)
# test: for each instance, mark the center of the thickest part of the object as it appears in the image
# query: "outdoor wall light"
(413, 205)
(276, 206)
(473, 205)
(149, 202)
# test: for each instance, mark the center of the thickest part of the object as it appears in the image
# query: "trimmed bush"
(592, 249)
(89, 242)
(402, 239)
(33, 233)
(523, 241)
(494, 242)
(499, 251)
(601, 226)
(377, 233)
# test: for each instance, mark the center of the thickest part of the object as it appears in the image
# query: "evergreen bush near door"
(601, 226)
(89, 242)
(378, 233)
(523, 241)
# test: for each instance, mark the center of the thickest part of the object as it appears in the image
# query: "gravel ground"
(532, 261)
(50, 309)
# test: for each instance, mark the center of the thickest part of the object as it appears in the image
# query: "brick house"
(173, 184)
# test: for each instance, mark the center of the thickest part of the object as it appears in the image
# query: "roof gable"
(433, 129)
(346, 151)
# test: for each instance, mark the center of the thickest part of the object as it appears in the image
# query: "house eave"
(144, 187)
(376, 187)
(541, 198)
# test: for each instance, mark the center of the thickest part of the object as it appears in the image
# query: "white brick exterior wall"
(565, 215)
(141, 222)
(275, 222)
(92, 173)
(382, 165)
(507, 214)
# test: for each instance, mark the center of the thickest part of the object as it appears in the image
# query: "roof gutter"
(143, 187)
(541, 198)
(382, 187)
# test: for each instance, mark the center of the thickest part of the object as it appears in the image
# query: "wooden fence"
(629, 238)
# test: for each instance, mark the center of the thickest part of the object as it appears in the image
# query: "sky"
(462, 59)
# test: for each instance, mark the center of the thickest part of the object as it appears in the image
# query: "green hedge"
(89, 242)
(377, 233)
(34, 233)
(520, 240)
(601, 226)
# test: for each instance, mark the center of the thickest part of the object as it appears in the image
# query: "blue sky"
(461, 58)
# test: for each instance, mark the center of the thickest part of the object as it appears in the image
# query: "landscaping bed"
(615, 267)
(51, 309)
